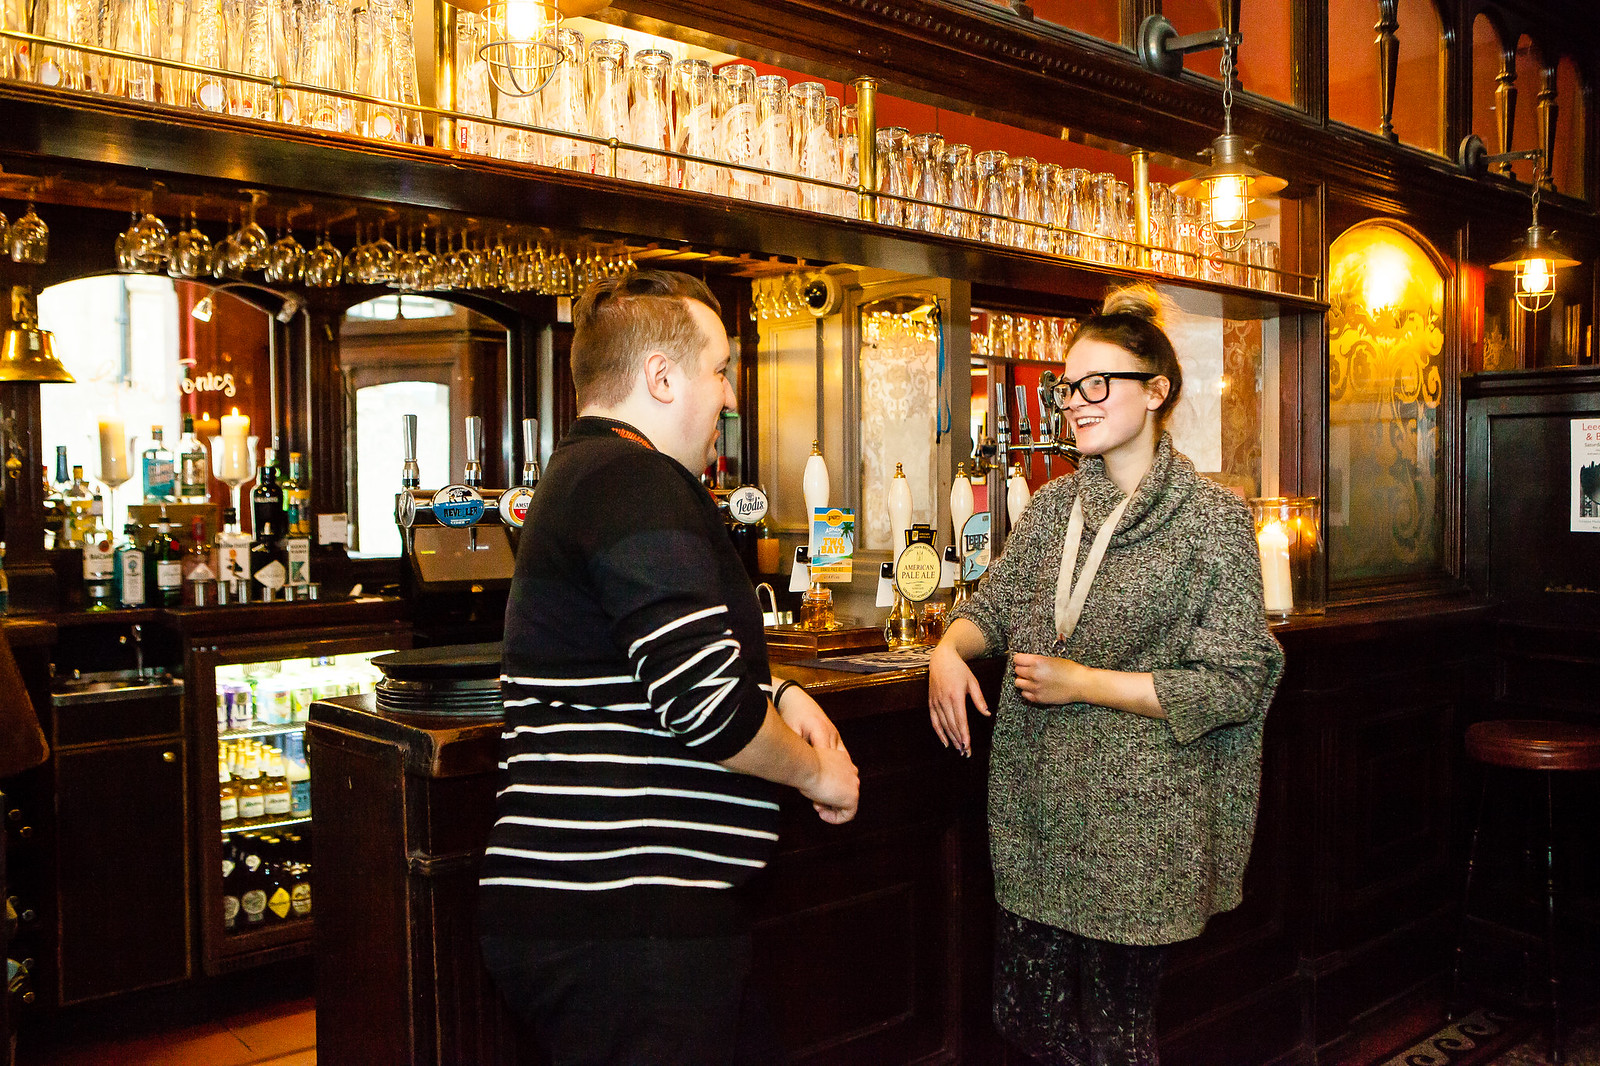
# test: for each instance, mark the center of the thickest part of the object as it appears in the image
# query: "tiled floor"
(283, 1034)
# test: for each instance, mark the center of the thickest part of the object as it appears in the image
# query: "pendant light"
(1536, 257)
(523, 49)
(1231, 185)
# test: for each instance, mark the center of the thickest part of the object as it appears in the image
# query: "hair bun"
(1140, 300)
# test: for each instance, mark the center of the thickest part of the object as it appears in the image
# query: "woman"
(1127, 752)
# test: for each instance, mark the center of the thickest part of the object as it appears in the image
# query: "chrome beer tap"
(1024, 432)
(468, 504)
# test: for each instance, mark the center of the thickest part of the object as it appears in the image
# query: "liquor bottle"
(63, 478)
(56, 512)
(166, 568)
(193, 465)
(229, 792)
(80, 510)
(128, 570)
(198, 577)
(276, 785)
(230, 886)
(159, 474)
(98, 567)
(266, 500)
(297, 498)
(300, 890)
(233, 552)
(252, 797)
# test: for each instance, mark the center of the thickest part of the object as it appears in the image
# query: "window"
(1487, 58)
(1419, 84)
(1570, 176)
(379, 409)
(1353, 78)
(1266, 55)
(1530, 79)
(1096, 18)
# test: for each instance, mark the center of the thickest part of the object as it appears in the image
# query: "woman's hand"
(1045, 680)
(950, 683)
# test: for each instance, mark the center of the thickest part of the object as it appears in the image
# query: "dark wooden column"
(1388, 64)
(1548, 112)
(1505, 95)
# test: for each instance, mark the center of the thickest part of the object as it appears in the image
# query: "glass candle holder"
(1293, 570)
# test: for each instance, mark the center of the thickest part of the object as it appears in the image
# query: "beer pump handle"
(530, 452)
(410, 476)
(474, 472)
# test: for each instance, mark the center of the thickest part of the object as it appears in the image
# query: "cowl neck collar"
(1166, 486)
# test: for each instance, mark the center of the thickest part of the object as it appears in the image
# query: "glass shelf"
(260, 731)
(275, 823)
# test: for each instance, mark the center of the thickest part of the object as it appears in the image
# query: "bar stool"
(1547, 748)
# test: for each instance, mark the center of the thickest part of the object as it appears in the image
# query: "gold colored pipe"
(1141, 204)
(867, 147)
(444, 73)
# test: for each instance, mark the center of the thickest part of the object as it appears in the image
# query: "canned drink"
(241, 708)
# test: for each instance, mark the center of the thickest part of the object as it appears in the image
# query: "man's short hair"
(620, 320)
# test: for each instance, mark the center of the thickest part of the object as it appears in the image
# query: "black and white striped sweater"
(634, 661)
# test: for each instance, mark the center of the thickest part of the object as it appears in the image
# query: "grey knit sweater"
(1102, 822)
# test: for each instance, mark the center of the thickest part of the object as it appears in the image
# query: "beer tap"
(468, 504)
(1049, 419)
(1024, 432)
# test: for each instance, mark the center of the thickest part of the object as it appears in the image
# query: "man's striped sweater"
(634, 661)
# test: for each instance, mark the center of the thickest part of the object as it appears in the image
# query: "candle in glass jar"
(1273, 541)
(114, 468)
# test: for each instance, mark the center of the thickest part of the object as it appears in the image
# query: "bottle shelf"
(260, 731)
(272, 823)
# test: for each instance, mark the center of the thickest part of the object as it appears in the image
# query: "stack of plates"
(457, 679)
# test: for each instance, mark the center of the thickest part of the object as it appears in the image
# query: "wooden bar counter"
(874, 938)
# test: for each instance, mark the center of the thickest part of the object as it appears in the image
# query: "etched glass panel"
(1384, 506)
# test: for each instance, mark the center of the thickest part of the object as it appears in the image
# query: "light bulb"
(1536, 276)
(1229, 196)
(525, 20)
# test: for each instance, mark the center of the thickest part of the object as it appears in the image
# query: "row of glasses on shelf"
(366, 48)
(1043, 338)
(746, 122)
(27, 240)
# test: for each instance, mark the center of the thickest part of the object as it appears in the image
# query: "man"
(643, 751)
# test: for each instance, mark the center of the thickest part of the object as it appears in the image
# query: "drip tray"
(459, 679)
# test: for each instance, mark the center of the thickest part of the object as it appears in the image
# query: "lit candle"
(114, 468)
(235, 465)
(1273, 542)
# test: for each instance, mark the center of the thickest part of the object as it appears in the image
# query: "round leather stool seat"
(1535, 745)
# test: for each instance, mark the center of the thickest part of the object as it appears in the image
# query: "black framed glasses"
(1095, 387)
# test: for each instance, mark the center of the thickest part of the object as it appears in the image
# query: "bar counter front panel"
(874, 939)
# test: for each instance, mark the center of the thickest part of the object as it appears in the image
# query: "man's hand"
(950, 683)
(1045, 680)
(802, 714)
(835, 790)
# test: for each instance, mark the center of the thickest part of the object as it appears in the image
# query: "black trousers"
(1069, 1000)
(642, 1002)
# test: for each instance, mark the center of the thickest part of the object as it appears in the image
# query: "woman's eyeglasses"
(1095, 387)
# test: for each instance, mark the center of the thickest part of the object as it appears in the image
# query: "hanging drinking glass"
(191, 251)
(694, 117)
(324, 264)
(814, 146)
(28, 238)
(927, 183)
(774, 139)
(382, 261)
(285, 261)
(991, 166)
(148, 243)
(894, 175)
(249, 243)
(737, 84)
(608, 102)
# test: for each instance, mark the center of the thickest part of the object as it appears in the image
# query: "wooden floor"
(283, 1034)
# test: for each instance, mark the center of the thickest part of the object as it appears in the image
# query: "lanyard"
(1070, 595)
